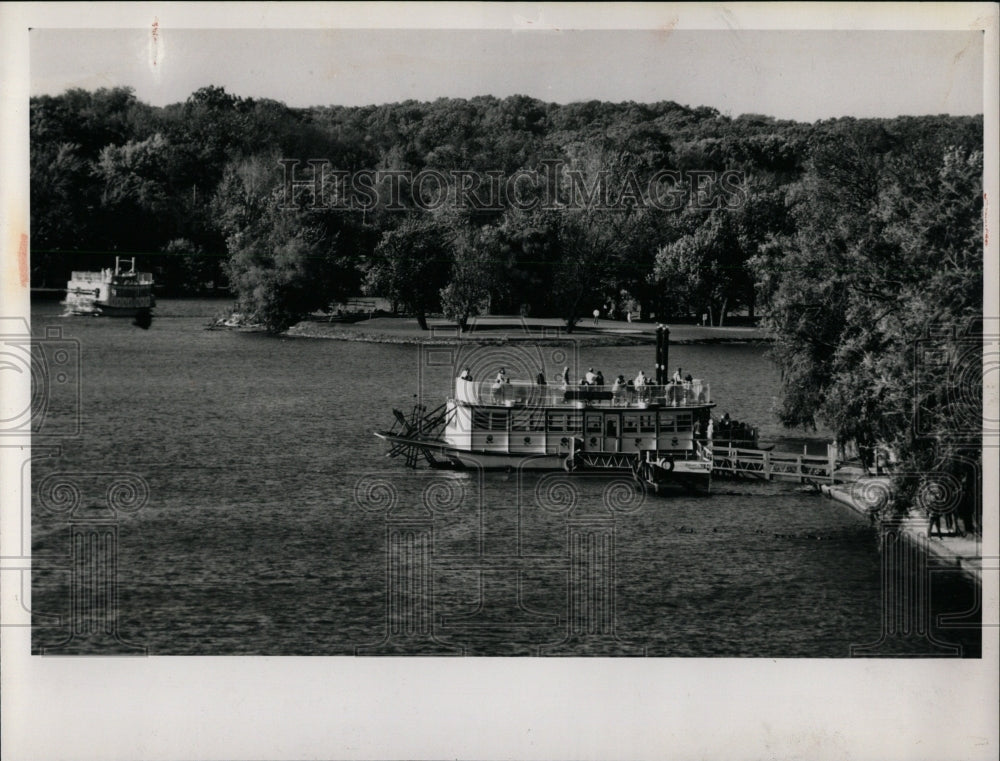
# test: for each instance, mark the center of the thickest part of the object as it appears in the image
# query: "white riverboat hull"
(663, 476)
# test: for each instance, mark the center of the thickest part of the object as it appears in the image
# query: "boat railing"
(88, 277)
(141, 278)
(516, 393)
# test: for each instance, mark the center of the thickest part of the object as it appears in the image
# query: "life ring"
(569, 464)
(667, 463)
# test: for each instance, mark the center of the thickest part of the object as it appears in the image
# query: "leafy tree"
(872, 268)
(586, 246)
(286, 266)
(476, 272)
(410, 266)
(706, 269)
(63, 202)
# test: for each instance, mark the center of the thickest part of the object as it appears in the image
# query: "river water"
(217, 492)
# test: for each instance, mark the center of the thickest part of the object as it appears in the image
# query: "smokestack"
(662, 354)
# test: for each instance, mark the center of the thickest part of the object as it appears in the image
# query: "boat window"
(611, 426)
(565, 421)
(647, 423)
(593, 423)
(527, 420)
(630, 423)
(486, 420)
(684, 421)
(666, 421)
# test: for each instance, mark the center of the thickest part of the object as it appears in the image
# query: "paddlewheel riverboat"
(653, 431)
(119, 292)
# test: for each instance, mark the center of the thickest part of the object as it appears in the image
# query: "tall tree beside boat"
(886, 259)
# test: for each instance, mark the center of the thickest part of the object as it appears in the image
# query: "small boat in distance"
(111, 293)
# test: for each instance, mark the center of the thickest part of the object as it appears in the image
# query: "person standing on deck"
(640, 386)
(565, 377)
(590, 377)
(710, 429)
(678, 378)
(618, 390)
(540, 378)
(498, 389)
(597, 315)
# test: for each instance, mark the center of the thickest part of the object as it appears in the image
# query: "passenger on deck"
(640, 386)
(688, 396)
(709, 429)
(590, 377)
(565, 377)
(725, 422)
(677, 376)
(540, 378)
(498, 389)
(466, 375)
(599, 379)
(618, 390)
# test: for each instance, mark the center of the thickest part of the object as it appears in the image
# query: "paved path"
(963, 553)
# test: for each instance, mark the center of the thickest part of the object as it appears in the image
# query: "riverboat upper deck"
(518, 393)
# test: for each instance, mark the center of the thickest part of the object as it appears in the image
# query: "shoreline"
(960, 553)
(501, 331)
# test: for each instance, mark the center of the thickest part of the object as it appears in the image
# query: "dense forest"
(853, 241)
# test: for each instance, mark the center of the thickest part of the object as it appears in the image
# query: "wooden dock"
(767, 466)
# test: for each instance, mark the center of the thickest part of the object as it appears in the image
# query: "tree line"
(854, 241)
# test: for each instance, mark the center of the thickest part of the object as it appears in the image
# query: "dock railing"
(769, 465)
(517, 393)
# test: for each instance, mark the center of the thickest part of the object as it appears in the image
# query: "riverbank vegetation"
(857, 242)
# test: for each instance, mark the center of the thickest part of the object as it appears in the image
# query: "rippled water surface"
(256, 514)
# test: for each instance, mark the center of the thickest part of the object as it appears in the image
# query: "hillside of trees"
(852, 240)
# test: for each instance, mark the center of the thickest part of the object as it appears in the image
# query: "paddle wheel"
(420, 426)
